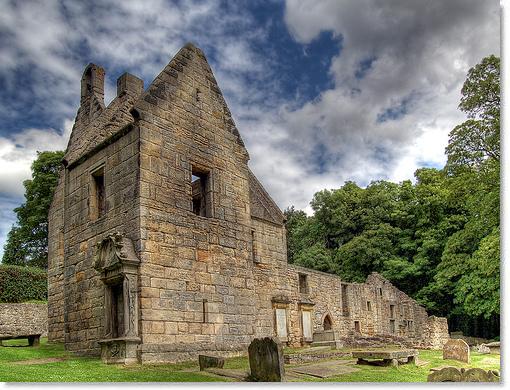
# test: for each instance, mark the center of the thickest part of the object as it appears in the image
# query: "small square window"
(303, 283)
(369, 306)
(357, 327)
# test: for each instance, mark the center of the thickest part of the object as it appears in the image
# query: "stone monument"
(456, 349)
(266, 360)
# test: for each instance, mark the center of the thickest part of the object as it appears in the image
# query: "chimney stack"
(129, 84)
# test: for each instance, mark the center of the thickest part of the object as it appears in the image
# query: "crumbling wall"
(23, 319)
(435, 333)
(56, 264)
(84, 300)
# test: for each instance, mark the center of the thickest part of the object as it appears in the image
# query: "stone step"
(329, 343)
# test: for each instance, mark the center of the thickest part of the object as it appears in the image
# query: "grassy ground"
(411, 373)
(81, 369)
(17, 365)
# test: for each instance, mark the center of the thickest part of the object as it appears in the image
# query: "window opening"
(204, 310)
(98, 201)
(200, 193)
(345, 302)
(327, 324)
(117, 310)
(303, 283)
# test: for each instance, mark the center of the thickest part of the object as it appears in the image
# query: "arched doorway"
(327, 324)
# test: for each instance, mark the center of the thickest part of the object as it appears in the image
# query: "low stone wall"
(23, 319)
(306, 357)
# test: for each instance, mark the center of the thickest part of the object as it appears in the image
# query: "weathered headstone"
(482, 348)
(266, 360)
(205, 361)
(456, 349)
(454, 374)
(494, 347)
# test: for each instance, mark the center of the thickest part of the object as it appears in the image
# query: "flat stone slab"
(384, 354)
(312, 356)
(237, 374)
(39, 361)
(326, 369)
(206, 361)
(314, 349)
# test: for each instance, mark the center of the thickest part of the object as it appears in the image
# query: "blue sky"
(322, 92)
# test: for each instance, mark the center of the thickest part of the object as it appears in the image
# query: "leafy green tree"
(316, 257)
(27, 242)
(478, 139)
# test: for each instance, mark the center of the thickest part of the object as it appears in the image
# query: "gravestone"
(494, 347)
(454, 374)
(456, 349)
(205, 361)
(266, 360)
(482, 348)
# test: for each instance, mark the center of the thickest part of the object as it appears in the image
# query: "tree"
(27, 242)
(437, 239)
(477, 140)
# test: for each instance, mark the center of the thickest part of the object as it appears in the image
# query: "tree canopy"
(27, 241)
(436, 239)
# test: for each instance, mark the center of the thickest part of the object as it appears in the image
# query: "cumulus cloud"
(397, 86)
(391, 102)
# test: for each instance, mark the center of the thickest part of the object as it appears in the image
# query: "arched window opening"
(327, 323)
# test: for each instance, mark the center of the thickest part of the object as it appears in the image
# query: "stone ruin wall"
(196, 280)
(205, 284)
(56, 317)
(82, 305)
(269, 272)
(23, 319)
(435, 333)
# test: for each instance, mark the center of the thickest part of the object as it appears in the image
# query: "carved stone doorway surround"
(117, 263)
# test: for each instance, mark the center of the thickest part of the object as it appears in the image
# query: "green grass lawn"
(82, 369)
(70, 368)
(412, 373)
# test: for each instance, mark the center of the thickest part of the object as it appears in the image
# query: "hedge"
(22, 284)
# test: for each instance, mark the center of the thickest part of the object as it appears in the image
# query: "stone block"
(206, 361)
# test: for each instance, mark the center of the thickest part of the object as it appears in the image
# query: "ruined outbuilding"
(164, 245)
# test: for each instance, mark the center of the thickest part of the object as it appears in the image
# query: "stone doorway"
(327, 324)
(117, 263)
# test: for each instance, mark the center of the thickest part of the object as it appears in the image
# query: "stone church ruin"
(164, 245)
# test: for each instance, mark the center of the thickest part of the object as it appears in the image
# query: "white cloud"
(19, 151)
(421, 53)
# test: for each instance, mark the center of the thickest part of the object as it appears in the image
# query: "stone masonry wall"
(269, 271)
(196, 284)
(207, 284)
(435, 333)
(84, 291)
(56, 264)
(23, 319)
